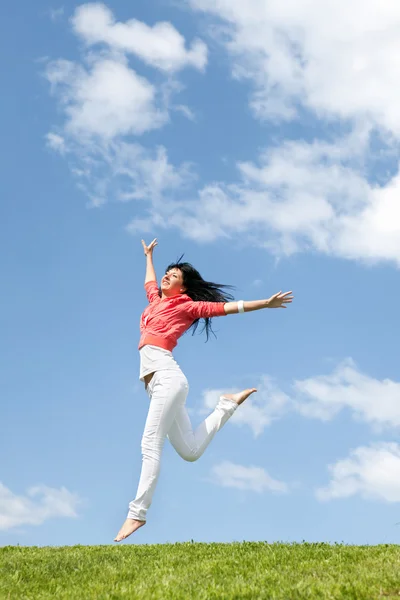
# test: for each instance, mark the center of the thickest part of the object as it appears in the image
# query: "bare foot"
(240, 396)
(127, 528)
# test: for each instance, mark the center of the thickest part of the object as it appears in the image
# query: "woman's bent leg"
(190, 444)
(168, 391)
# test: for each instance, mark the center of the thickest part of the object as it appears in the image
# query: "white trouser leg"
(167, 391)
(190, 444)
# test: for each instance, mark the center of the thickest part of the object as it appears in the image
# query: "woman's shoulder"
(181, 303)
(180, 299)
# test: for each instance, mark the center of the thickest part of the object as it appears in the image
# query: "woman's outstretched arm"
(148, 251)
(278, 300)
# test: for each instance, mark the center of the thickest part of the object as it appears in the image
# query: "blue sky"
(263, 142)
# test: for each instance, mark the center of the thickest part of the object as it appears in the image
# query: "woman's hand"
(279, 300)
(148, 250)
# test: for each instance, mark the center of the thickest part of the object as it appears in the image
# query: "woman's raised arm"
(148, 251)
(278, 300)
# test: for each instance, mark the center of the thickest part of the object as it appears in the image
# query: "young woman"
(183, 300)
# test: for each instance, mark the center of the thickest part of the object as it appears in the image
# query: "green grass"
(248, 570)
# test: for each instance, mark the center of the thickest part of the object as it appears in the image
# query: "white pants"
(168, 417)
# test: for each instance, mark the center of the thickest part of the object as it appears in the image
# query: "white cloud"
(254, 479)
(102, 96)
(38, 505)
(374, 401)
(373, 472)
(121, 171)
(109, 168)
(160, 46)
(106, 100)
(185, 111)
(299, 197)
(259, 411)
(56, 142)
(56, 13)
(295, 197)
(336, 58)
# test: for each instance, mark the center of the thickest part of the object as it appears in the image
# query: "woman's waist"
(154, 359)
(155, 355)
(153, 339)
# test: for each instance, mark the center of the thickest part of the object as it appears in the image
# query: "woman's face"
(172, 283)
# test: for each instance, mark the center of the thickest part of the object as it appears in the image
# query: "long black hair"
(198, 289)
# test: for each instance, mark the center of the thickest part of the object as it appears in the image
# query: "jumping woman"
(182, 301)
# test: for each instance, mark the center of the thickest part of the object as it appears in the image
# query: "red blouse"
(165, 320)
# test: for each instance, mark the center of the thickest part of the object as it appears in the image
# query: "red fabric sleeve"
(202, 310)
(151, 288)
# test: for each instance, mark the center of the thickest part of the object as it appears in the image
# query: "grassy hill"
(248, 570)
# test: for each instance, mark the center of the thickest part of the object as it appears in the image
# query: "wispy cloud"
(253, 479)
(40, 504)
(336, 195)
(300, 196)
(160, 46)
(373, 401)
(104, 102)
(102, 96)
(56, 142)
(320, 56)
(123, 172)
(259, 411)
(56, 13)
(377, 402)
(371, 471)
